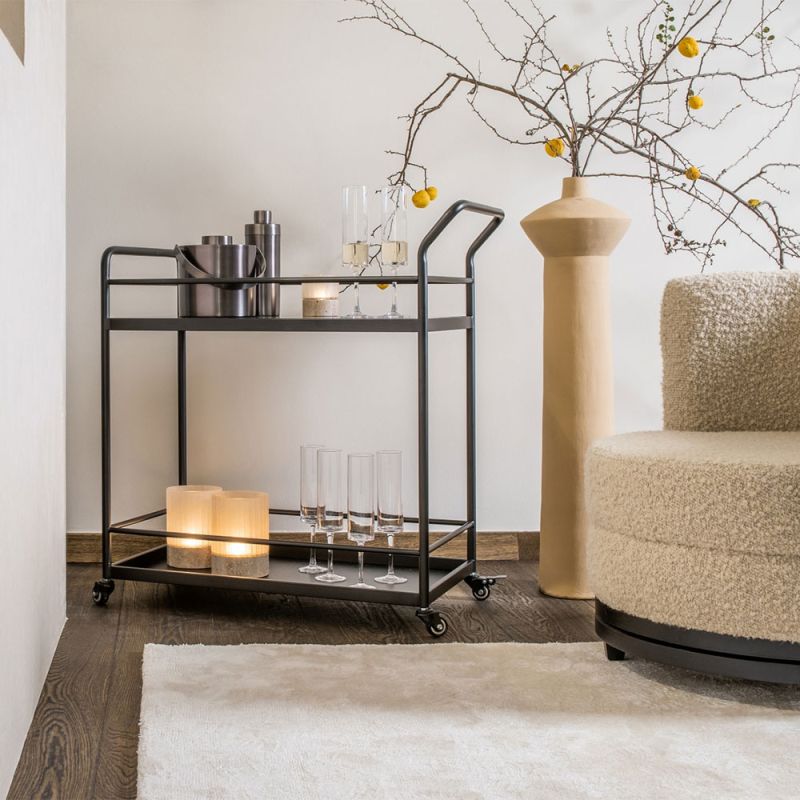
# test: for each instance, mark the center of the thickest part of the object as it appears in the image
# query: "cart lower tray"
(284, 578)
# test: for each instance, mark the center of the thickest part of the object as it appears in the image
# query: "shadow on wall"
(12, 23)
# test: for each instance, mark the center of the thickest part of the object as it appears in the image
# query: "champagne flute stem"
(390, 542)
(330, 555)
(394, 297)
(312, 556)
(361, 566)
(356, 301)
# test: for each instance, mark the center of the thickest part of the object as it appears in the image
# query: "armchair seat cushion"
(699, 529)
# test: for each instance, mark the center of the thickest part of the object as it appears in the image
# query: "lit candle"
(246, 515)
(320, 299)
(189, 510)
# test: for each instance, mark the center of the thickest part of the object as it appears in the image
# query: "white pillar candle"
(189, 510)
(320, 299)
(246, 515)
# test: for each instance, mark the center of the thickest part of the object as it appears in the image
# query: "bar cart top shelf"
(295, 324)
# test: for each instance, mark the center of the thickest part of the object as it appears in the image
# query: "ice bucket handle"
(194, 271)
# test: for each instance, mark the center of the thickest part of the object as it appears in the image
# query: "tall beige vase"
(576, 235)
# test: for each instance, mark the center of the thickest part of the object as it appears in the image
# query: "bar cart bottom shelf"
(284, 578)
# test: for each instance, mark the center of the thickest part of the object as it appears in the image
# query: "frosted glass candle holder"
(245, 515)
(189, 510)
(320, 299)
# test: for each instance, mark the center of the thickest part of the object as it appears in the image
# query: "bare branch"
(637, 103)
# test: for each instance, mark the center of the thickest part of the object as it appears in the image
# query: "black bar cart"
(431, 575)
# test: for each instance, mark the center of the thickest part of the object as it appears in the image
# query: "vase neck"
(575, 187)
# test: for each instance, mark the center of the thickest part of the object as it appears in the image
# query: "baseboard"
(85, 548)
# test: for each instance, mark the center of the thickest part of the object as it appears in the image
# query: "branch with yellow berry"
(639, 110)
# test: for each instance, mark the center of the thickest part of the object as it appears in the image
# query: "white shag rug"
(460, 721)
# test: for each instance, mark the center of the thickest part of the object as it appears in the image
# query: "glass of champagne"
(355, 237)
(390, 505)
(394, 237)
(330, 505)
(361, 506)
(308, 501)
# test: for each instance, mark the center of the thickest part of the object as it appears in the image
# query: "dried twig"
(644, 116)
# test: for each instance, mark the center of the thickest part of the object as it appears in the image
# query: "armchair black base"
(713, 653)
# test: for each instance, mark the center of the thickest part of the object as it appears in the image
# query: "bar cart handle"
(497, 216)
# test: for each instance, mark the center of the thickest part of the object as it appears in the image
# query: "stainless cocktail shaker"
(266, 236)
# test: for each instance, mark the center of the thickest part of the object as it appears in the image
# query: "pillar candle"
(243, 514)
(189, 510)
(320, 299)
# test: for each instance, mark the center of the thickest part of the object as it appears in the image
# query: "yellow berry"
(433, 192)
(382, 286)
(575, 67)
(754, 202)
(688, 47)
(695, 101)
(421, 198)
(692, 173)
(565, 67)
(554, 147)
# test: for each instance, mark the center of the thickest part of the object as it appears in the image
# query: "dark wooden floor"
(83, 740)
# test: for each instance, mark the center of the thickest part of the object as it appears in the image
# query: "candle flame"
(191, 543)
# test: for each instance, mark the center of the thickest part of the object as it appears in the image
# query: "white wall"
(184, 116)
(32, 357)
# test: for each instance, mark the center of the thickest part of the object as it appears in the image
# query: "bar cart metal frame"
(430, 574)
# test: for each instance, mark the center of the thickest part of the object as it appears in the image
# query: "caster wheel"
(100, 597)
(437, 628)
(101, 592)
(481, 592)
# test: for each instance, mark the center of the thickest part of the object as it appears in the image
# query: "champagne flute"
(330, 508)
(390, 505)
(361, 506)
(394, 237)
(308, 501)
(355, 237)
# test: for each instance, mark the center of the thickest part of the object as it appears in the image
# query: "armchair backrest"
(731, 349)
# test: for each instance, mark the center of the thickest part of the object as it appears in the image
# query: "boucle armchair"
(694, 546)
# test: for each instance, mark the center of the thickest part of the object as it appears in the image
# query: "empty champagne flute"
(355, 237)
(390, 505)
(330, 505)
(394, 237)
(361, 506)
(308, 501)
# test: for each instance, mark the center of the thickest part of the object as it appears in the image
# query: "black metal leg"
(614, 653)
(472, 501)
(422, 419)
(106, 585)
(105, 414)
(182, 422)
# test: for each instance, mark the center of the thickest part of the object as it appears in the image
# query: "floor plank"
(83, 740)
(60, 753)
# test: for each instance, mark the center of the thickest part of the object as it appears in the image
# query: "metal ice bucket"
(218, 257)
